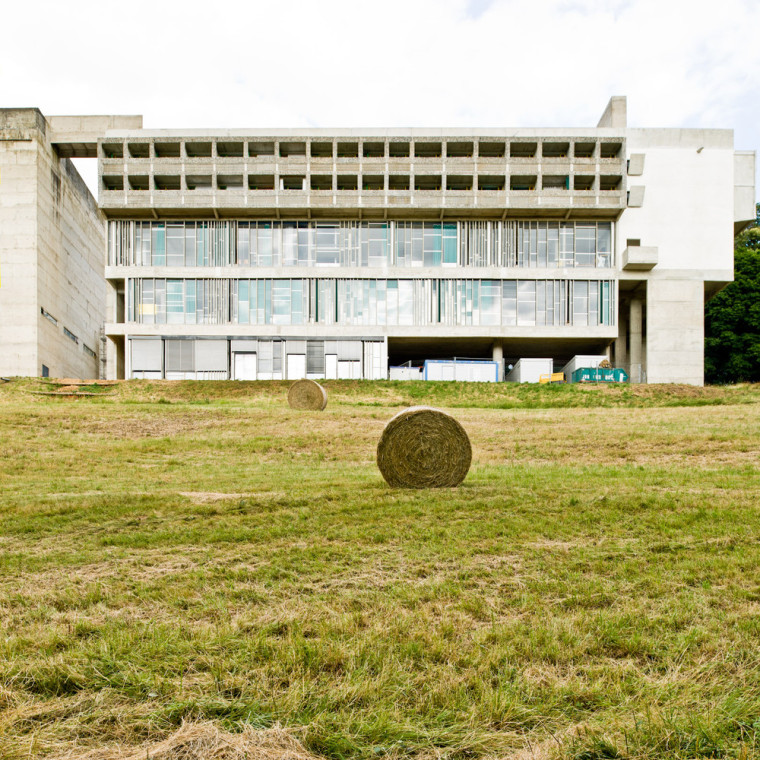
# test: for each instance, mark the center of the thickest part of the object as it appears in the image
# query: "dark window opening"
(556, 182)
(398, 182)
(167, 150)
(491, 182)
(113, 150)
(321, 182)
(138, 182)
(555, 149)
(583, 182)
(348, 182)
(398, 149)
(373, 182)
(261, 181)
(523, 149)
(610, 150)
(427, 150)
(348, 150)
(139, 150)
(257, 149)
(584, 149)
(457, 182)
(427, 182)
(167, 181)
(492, 149)
(198, 181)
(229, 181)
(459, 149)
(198, 149)
(292, 149)
(113, 182)
(522, 182)
(609, 182)
(229, 149)
(321, 150)
(373, 150)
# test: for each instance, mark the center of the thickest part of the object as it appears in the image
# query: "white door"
(331, 366)
(349, 370)
(244, 366)
(296, 366)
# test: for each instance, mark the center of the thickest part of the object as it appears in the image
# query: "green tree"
(732, 318)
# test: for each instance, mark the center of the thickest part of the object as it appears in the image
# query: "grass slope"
(177, 552)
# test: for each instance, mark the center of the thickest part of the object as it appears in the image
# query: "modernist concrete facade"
(334, 253)
(52, 237)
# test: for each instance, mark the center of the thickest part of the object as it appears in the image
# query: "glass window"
(158, 244)
(526, 302)
(585, 245)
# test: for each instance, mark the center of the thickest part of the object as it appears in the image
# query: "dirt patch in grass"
(204, 741)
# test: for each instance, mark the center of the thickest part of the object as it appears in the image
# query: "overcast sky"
(397, 63)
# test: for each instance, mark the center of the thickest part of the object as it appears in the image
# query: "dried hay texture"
(422, 447)
(306, 394)
(205, 741)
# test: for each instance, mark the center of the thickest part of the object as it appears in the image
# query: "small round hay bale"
(306, 394)
(423, 447)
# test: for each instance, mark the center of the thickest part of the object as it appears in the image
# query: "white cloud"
(396, 63)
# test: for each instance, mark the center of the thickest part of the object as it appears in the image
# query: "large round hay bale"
(423, 447)
(306, 394)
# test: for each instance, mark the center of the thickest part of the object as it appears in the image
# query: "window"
(113, 150)
(70, 335)
(229, 149)
(584, 149)
(292, 149)
(167, 181)
(555, 149)
(89, 351)
(139, 150)
(229, 181)
(348, 150)
(113, 182)
(198, 181)
(348, 182)
(138, 182)
(522, 182)
(610, 150)
(523, 149)
(261, 181)
(373, 150)
(583, 182)
(198, 149)
(258, 149)
(491, 149)
(49, 317)
(398, 182)
(556, 182)
(45, 371)
(427, 150)
(459, 149)
(457, 182)
(373, 182)
(167, 149)
(491, 182)
(427, 182)
(321, 150)
(321, 182)
(398, 149)
(610, 182)
(292, 182)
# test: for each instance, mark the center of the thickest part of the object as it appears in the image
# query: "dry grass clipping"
(307, 394)
(422, 447)
(205, 741)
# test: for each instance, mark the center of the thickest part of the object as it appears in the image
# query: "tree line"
(732, 318)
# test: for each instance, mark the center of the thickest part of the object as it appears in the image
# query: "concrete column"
(635, 344)
(621, 342)
(498, 356)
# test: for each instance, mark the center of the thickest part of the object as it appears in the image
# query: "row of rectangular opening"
(498, 149)
(487, 182)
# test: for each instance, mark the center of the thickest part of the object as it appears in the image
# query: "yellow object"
(555, 377)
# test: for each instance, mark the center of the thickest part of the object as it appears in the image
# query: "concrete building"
(268, 254)
(336, 253)
(52, 239)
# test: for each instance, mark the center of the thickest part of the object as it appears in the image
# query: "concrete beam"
(77, 136)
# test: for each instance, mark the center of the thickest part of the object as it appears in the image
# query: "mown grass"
(183, 551)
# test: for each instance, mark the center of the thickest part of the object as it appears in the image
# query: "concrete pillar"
(497, 353)
(634, 326)
(621, 342)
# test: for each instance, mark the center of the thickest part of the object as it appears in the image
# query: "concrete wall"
(21, 132)
(51, 256)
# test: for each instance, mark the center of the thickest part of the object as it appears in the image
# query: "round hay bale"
(423, 447)
(306, 394)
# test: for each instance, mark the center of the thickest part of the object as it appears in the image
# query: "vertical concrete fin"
(616, 113)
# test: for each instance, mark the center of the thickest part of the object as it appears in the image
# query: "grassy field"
(175, 553)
